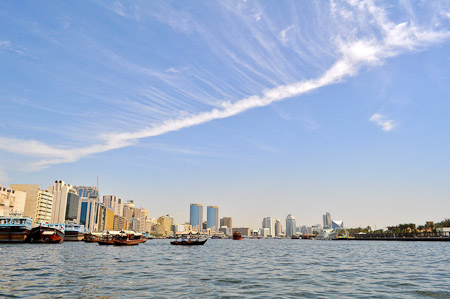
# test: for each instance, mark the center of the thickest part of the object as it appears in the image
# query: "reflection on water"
(226, 268)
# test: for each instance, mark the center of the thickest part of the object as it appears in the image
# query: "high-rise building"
(228, 222)
(11, 201)
(327, 220)
(38, 203)
(89, 213)
(85, 191)
(196, 216)
(114, 203)
(60, 191)
(120, 223)
(269, 223)
(290, 226)
(73, 207)
(277, 228)
(213, 218)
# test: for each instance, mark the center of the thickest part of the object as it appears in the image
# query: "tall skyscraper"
(89, 213)
(228, 222)
(196, 216)
(269, 223)
(73, 207)
(115, 203)
(327, 220)
(213, 218)
(290, 225)
(60, 191)
(277, 228)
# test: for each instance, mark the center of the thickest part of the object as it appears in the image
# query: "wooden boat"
(74, 232)
(47, 233)
(140, 237)
(188, 239)
(91, 237)
(188, 242)
(126, 238)
(14, 228)
(237, 235)
(108, 238)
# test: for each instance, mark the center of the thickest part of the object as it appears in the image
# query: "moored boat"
(90, 237)
(14, 228)
(47, 233)
(108, 237)
(74, 232)
(237, 235)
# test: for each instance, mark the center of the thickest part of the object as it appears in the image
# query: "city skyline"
(296, 108)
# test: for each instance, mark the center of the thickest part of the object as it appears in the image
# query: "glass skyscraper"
(213, 218)
(196, 216)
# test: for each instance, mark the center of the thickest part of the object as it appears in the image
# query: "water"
(227, 269)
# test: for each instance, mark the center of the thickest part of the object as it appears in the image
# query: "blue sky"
(263, 108)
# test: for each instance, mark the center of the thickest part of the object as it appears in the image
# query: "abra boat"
(108, 237)
(188, 239)
(74, 232)
(14, 228)
(126, 238)
(47, 233)
(90, 237)
(237, 235)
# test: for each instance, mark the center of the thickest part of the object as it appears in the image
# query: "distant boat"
(188, 239)
(14, 228)
(47, 233)
(90, 237)
(74, 232)
(237, 235)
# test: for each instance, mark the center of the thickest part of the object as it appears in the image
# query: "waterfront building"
(225, 230)
(73, 207)
(85, 191)
(213, 218)
(317, 228)
(105, 218)
(120, 223)
(89, 212)
(38, 203)
(337, 224)
(327, 220)
(60, 191)
(278, 229)
(196, 216)
(269, 223)
(245, 231)
(265, 232)
(228, 222)
(11, 201)
(290, 226)
(114, 203)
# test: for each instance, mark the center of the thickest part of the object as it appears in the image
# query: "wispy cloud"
(382, 121)
(354, 51)
(7, 45)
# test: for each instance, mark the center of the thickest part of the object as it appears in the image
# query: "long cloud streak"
(396, 38)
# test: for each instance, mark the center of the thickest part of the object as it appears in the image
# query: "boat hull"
(46, 235)
(126, 243)
(73, 236)
(188, 243)
(14, 235)
(109, 242)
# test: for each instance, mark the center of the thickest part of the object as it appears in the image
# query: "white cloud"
(355, 53)
(283, 34)
(381, 121)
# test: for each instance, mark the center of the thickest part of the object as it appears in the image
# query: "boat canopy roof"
(111, 232)
(128, 232)
(187, 233)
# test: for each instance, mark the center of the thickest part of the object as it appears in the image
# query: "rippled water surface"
(226, 268)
